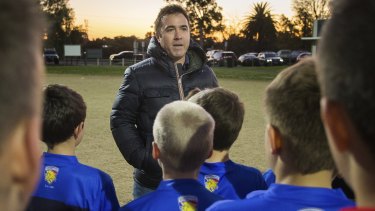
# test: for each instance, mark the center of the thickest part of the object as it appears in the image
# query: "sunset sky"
(135, 17)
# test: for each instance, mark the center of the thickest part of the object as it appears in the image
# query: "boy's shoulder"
(180, 194)
(75, 168)
(228, 166)
(241, 167)
(279, 197)
(93, 175)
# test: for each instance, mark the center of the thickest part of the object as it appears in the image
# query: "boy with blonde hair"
(183, 133)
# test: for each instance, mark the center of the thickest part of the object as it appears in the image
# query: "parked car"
(269, 58)
(223, 58)
(210, 53)
(252, 53)
(294, 54)
(248, 59)
(285, 55)
(128, 56)
(303, 55)
(50, 55)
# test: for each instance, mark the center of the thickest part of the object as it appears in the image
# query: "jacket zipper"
(179, 83)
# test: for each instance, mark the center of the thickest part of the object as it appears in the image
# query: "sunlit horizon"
(112, 18)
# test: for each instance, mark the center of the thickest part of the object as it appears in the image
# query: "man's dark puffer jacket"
(146, 88)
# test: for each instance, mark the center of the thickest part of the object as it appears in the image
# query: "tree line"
(259, 30)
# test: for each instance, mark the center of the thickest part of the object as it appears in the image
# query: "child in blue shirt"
(219, 174)
(296, 147)
(66, 184)
(183, 133)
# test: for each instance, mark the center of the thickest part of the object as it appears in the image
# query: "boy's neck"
(64, 148)
(362, 182)
(168, 175)
(320, 179)
(218, 156)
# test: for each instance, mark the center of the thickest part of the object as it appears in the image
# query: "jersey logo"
(188, 203)
(50, 174)
(211, 182)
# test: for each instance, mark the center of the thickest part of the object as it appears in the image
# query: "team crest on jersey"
(188, 203)
(211, 182)
(50, 174)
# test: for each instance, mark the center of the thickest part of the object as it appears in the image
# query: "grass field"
(98, 86)
(241, 73)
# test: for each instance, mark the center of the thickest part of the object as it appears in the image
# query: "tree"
(60, 19)
(287, 34)
(77, 36)
(309, 10)
(260, 27)
(205, 17)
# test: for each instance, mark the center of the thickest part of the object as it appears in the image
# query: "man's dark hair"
(292, 104)
(21, 26)
(228, 112)
(346, 63)
(64, 109)
(168, 10)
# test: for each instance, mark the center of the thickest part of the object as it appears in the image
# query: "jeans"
(139, 190)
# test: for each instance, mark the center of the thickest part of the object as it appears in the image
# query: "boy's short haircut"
(183, 132)
(292, 104)
(346, 64)
(168, 10)
(228, 112)
(64, 109)
(22, 27)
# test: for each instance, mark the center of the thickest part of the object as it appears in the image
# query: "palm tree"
(259, 26)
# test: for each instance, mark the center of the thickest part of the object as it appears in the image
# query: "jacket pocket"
(156, 93)
(155, 99)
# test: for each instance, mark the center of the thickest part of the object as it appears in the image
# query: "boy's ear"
(78, 130)
(274, 138)
(210, 154)
(336, 123)
(24, 152)
(155, 151)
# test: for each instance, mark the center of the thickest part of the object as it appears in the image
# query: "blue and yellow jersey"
(231, 180)
(288, 197)
(65, 184)
(175, 195)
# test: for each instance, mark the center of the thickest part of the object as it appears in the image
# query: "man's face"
(175, 36)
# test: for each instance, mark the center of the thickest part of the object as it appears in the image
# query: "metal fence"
(97, 62)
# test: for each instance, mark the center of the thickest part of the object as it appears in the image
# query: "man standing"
(176, 66)
(20, 100)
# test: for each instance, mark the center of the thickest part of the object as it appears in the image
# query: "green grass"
(86, 70)
(239, 72)
(248, 73)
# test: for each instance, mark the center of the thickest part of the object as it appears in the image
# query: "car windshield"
(49, 52)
